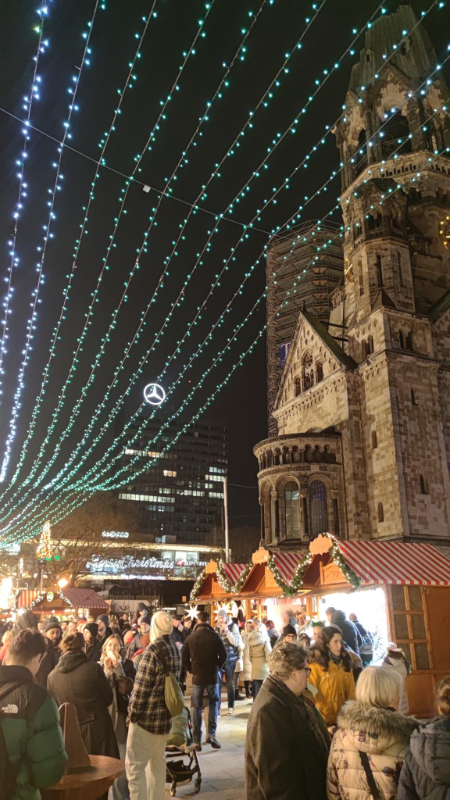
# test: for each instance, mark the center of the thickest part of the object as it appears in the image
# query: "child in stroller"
(181, 743)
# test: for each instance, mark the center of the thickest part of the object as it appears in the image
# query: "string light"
(23, 187)
(44, 550)
(32, 321)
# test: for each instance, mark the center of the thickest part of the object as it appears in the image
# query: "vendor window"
(409, 624)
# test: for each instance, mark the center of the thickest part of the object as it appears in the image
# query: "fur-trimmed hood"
(372, 729)
(259, 636)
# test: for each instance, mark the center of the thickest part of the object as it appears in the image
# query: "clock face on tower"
(444, 231)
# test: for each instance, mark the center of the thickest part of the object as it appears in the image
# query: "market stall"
(219, 583)
(62, 602)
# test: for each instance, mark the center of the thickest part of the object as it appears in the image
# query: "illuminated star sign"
(154, 394)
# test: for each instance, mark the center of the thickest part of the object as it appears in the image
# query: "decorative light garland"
(31, 324)
(295, 585)
(44, 549)
(12, 243)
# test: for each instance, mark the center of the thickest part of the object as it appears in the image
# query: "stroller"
(181, 743)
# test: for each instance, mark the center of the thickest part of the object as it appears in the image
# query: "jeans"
(145, 764)
(197, 702)
(228, 671)
(256, 685)
(119, 790)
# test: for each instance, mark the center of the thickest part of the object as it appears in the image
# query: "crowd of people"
(324, 722)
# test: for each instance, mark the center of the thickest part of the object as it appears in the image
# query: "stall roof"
(83, 598)
(287, 563)
(397, 563)
(233, 571)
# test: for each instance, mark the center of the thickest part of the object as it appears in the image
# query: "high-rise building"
(303, 268)
(363, 419)
(181, 494)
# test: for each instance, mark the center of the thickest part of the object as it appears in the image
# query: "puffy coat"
(33, 736)
(83, 683)
(425, 773)
(382, 734)
(246, 672)
(334, 687)
(259, 649)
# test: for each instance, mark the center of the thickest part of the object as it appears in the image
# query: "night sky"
(241, 406)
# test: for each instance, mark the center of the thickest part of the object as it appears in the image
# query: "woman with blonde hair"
(426, 770)
(371, 741)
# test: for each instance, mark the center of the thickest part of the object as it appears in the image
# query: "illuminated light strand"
(87, 324)
(31, 324)
(83, 231)
(136, 266)
(12, 243)
(82, 496)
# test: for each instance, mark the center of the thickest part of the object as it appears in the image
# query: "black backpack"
(8, 771)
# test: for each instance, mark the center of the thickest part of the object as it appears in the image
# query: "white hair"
(378, 686)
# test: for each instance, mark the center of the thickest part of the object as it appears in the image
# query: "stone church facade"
(363, 404)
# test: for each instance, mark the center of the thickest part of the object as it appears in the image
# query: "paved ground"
(223, 770)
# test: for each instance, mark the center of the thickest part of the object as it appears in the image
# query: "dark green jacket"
(33, 736)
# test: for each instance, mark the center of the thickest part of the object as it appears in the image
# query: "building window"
(308, 371)
(380, 512)
(374, 440)
(361, 279)
(336, 516)
(379, 271)
(319, 371)
(423, 485)
(414, 398)
(292, 510)
(298, 387)
(401, 340)
(305, 516)
(370, 347)
(318, 508)
(401, 276)
(273, 516)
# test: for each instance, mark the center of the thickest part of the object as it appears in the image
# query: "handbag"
(369, 775)
(173, 696)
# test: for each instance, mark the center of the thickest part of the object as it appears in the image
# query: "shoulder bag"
(173, 696)
(374, 791)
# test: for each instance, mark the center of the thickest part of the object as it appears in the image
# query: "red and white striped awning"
(26, 597)
(287, 563)
(234, 571)
(397, 563)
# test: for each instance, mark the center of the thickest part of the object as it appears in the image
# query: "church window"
(380, 512)
(379, 270)
(401, 340)
(361, 278)
(273, 516)
(409, 342)
(401, 276)
(308, 371)
(318, 508)
(374, 221)
(364, 348)
(298, 387)
(395, 221)
(374, 440)
(319, 371)
(423, 485)
(292, 510)
(414, 398)
(370, 347)
(396, 135)
(305, 516)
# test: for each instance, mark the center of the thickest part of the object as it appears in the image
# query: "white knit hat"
(161, 625)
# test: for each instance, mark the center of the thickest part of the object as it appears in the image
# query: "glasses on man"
(308, 670)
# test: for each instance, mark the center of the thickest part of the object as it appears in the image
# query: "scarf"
(307, 711)
(335, 659)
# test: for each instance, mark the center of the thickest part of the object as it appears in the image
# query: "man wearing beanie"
(53, 632)
(149, 719)
(93, 645)
(142, 638)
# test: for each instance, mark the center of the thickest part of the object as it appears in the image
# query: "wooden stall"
(62, 602)
(219, 583)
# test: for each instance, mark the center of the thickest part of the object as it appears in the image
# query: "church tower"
(363, 408)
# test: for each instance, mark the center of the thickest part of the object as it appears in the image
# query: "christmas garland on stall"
(295, 585)
(223, 581)
(197, 586)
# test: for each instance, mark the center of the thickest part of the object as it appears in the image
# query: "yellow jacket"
(334, 687)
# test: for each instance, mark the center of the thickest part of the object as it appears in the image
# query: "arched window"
(379, 270)
(414, 397)
(292, 510)
(396, 135)
(374, 440)
(298, 387)
(370, 348)
(273, 516)
(364, 349)
(318, 508)
(319, 372)
(423, 485)
(380, 512)
(308, 371)
(401, 340)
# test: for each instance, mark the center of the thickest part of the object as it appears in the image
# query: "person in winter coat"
(81, 682)
(272, 632)
(29, 721)
(289, 634)
(425, 773)
(246, 663)
(260, 650)
(371, 740)
(350, 633)
(120, 673)
(204, 655)
(366, 649)
(331, 673)
(104, 631)
(396, 659)
(286, 747)
(289, 618)
(142, 639)
(229, 633)
(93, 645)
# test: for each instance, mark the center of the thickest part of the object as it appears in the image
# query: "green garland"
(223, 581)
(295, 585)
(197, 586)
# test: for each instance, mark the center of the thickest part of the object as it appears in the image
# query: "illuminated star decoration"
(193, 609)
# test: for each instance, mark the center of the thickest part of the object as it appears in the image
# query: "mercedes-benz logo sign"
(154, 394)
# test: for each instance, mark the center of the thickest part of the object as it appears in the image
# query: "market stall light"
(62, 583)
